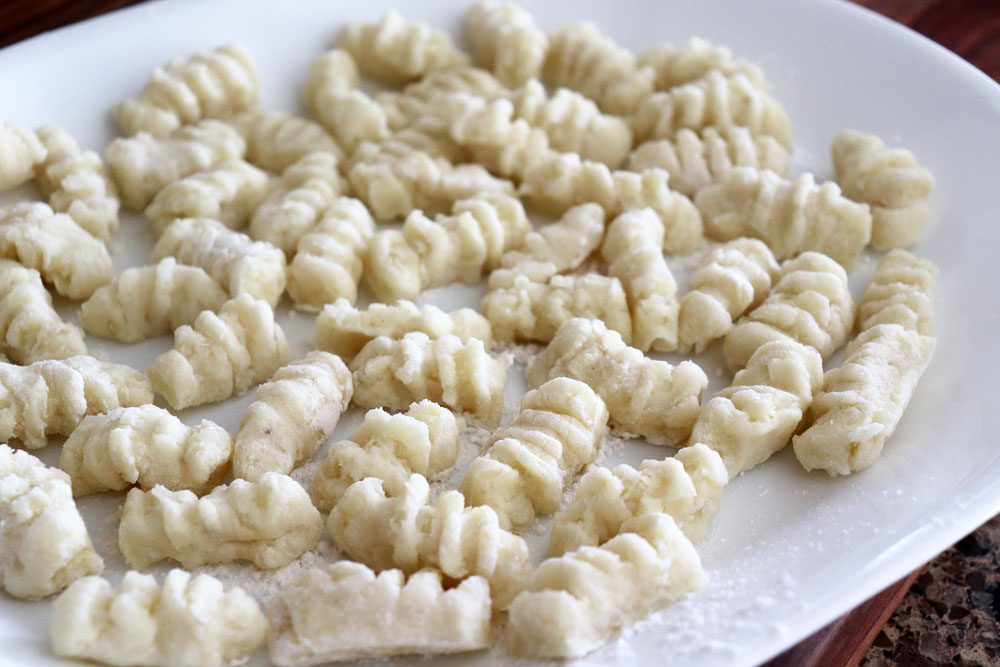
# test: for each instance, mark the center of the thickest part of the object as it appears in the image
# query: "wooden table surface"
(970, 28)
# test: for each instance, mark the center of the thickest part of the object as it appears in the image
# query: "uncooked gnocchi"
(145, 446)
(581, 58)
(397, 51)
(307, 188)
(65, 255)
(188, 621)
(221, 355)
(44, 545)
(347, 612)
(422, 440)
(573, 603)
(151, 301)
(647, 397)
(687, 486)
(525, 465)
(716, 100)
(729, 280)
(459, 247)
(331, 93)
(270, 523)
(238, 263)
(21, 152)
(344, 330)
(30, 328)
(277, 140)
(294, 412)
(810, 304)
(228, 192)
(408, 532)
(52, 397)
(186, 90)
(790, 216)
(76, 182)
(698, 159)
(329, 258)
(143, 165)
(462, 375)
(506, 40)
(757, 414)
(633, 250)
(888, 180)
(522, 308)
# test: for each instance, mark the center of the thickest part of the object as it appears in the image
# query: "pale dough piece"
(790, 216)
(890, 181)
(563, 244)
(344, 330)
(307, 188)
(143, 165)
(901, 292)
(754, 417)
(729, 280)
(407, 532)
(52, 397)
(329, 258)
(277, 140)
(810, 304)
(461, 375)
(573, 123)
(145, 446)
(563, 180)
(293, 414)
(347, 612)
(687, 486)
(715, 100)
(697, 159)
(331, 93)
(20, 153)
(581, 58)
(458, 247)
(675, 66)
(30, 328)
(228, 192)
(397, 51)
(270, 523)
(633, 250)
(395, 177)
(76, 182)
(66, 256)
(863, 400)
(573, 603)
(525, 465)
(234, 260)
(44, 544)
(221, 355)
(186, 90)
(188, 622)
(150, 301)
(519, 306)
(650, 398)
(494, 137)
(424, 439)
(506, 40)
(428, 97)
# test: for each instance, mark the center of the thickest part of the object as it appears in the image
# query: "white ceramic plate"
(789, 551)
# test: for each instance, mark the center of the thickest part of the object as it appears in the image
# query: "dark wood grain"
(846, 641)
(970, 28)
(20, 19)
